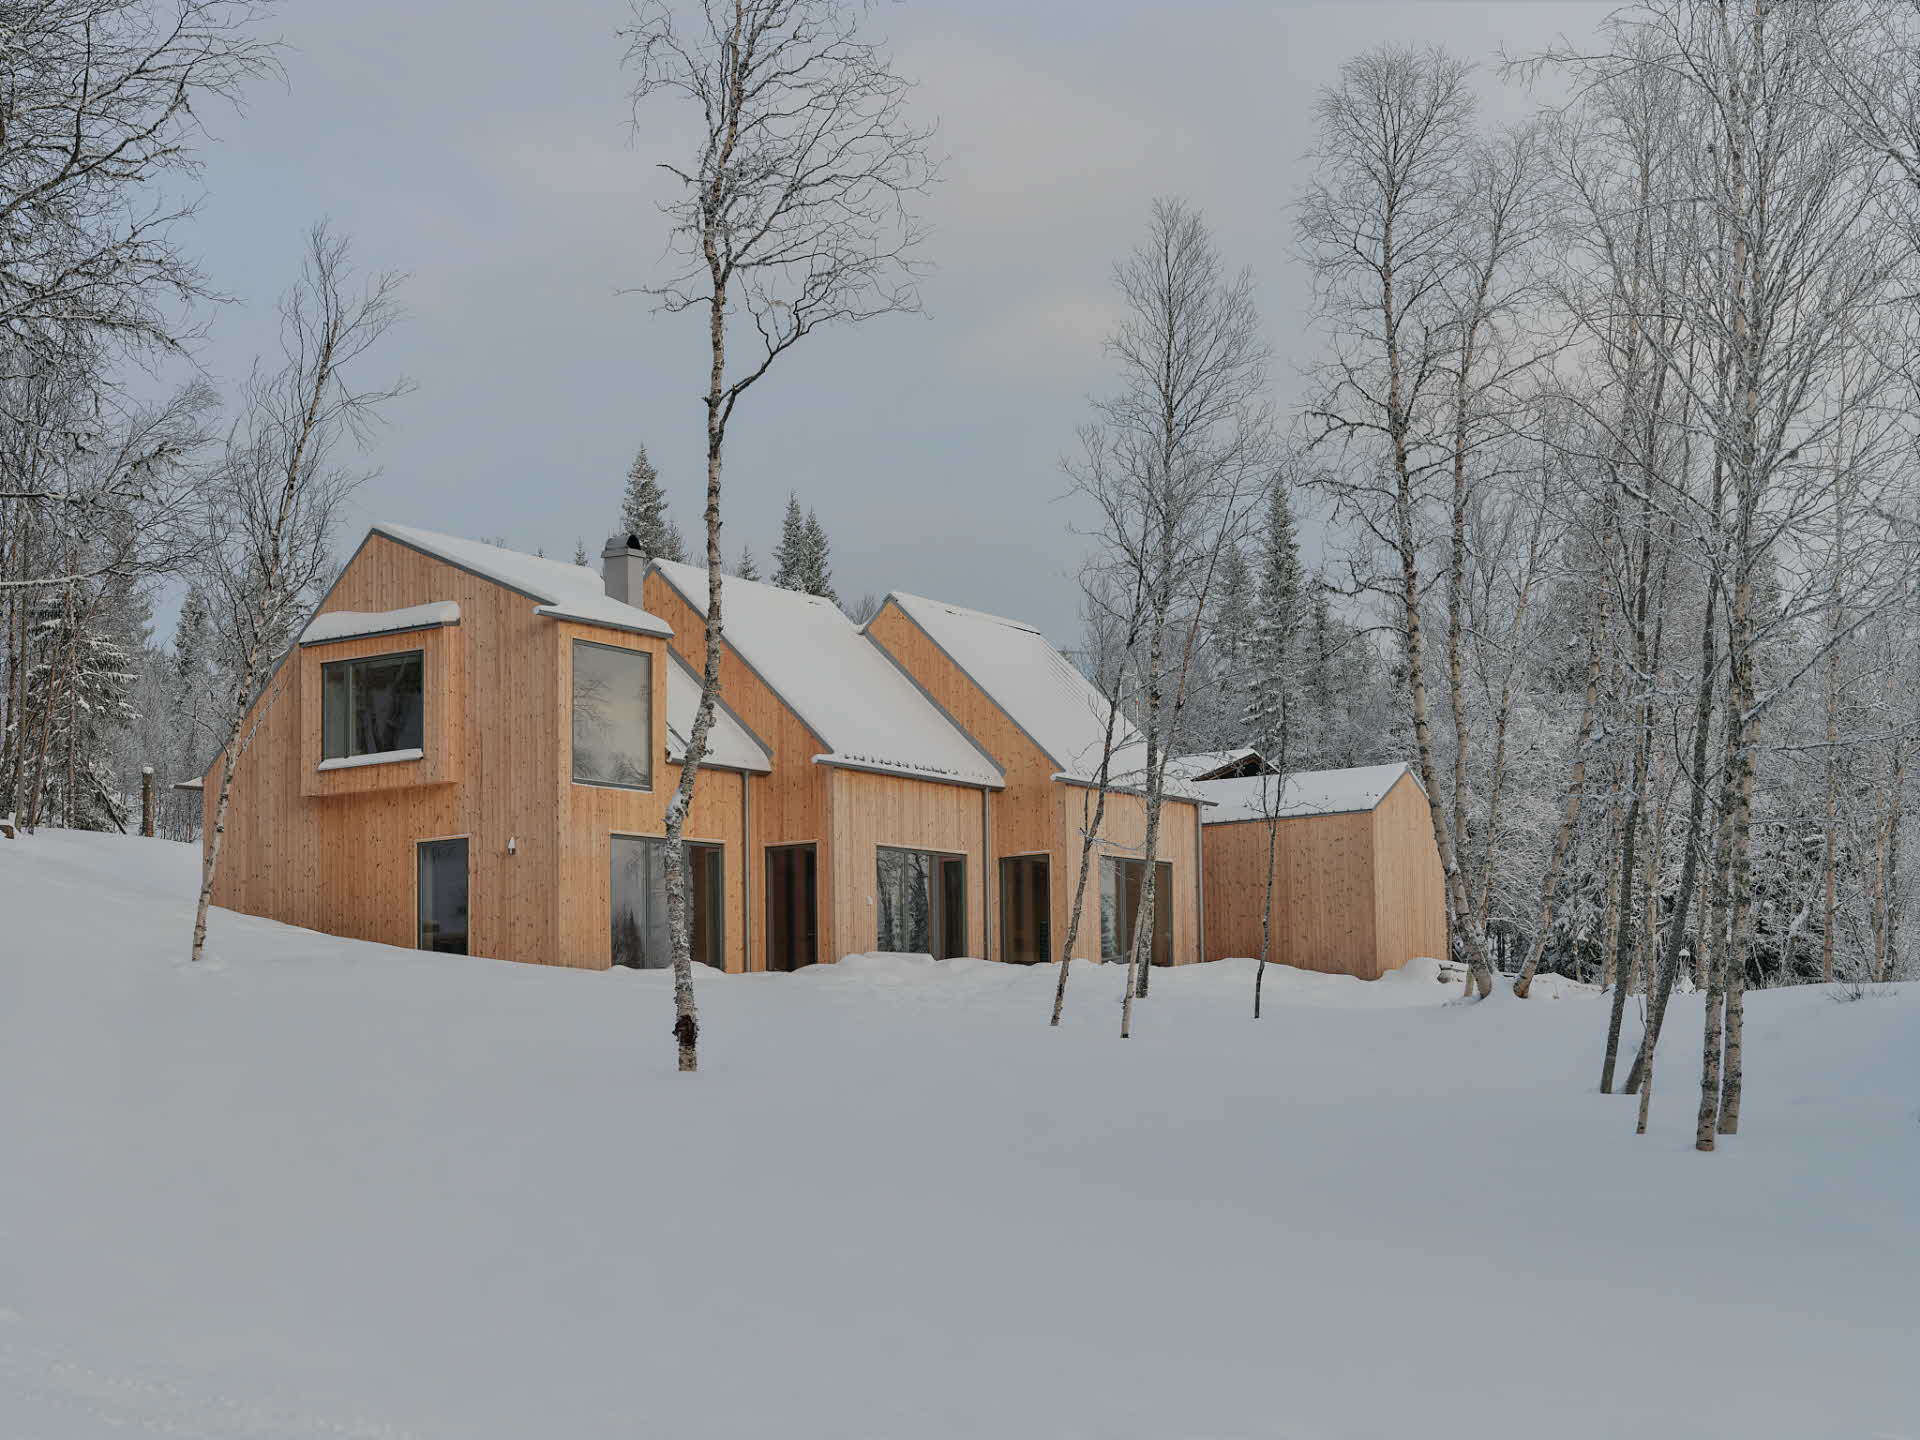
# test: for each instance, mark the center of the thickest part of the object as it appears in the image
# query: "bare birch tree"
(271, 504)
(1379, 226)
(792, 213)
(1174, 456)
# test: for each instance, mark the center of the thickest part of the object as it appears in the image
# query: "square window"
(612, 716)
(371, 706)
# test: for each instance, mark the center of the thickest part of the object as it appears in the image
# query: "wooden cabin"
(471, 750)
(875, 828)
(1046, 728)
(1357, 886)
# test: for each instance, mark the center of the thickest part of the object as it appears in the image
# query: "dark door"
(443, 896)
(1026, 910)
(792, 913)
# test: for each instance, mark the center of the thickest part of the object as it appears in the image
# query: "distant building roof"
(564, 591)
(841, 684)
(1219, 764)
(1309, 792)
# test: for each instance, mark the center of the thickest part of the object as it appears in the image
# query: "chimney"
(625, 568)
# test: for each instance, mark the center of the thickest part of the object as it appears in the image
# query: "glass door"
(442, 893)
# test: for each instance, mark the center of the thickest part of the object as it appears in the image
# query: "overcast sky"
(484, 147)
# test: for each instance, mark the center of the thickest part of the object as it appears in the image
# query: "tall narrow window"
(921, 903)
(612, 716)
(1026, 910)
(792, 915)
(1121, 883)
(641, 936)
(370, 706)
(443, 895)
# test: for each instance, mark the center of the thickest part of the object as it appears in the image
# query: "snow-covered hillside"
(320, 1188)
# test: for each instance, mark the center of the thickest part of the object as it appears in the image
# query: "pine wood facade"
(1040, 814)
(1356, 892)
(798, 830)
(846, 814)
(336, 850)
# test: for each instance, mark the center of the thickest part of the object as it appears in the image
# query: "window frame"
(573, 749)
(418, 655)
(938, 916)
(717, 939)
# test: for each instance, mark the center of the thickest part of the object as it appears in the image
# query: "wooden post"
(146, 801)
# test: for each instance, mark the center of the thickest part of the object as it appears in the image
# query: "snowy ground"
(320, 1188)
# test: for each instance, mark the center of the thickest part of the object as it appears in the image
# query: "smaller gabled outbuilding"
(1357, 886)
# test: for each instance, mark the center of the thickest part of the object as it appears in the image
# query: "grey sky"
(483, 146)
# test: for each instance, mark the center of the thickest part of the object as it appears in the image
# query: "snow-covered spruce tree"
(747, 568)
(790, 553)
(819, 568)
(1171, 463)
(1273, 684)
(792, 214)
(1220, 723)
(271, 506)
(643, 513)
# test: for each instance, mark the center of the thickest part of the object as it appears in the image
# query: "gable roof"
(564, 591)
(1309, 792)
(730, 745)
(841, 684)
(1039, 690)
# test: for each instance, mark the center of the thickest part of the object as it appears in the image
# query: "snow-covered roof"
(1309, 792)
(841, 684)
(1195, 767)
(350, 624)
(730, 745)
(565, 592)
(1039, 689)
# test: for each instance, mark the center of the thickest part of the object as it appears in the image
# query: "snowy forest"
(1608, 450)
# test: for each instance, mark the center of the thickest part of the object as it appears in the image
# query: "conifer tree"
(790, 555)
(748, 568)
(643, 513)
(818, 579)
(1232, 639)
(1272, 654)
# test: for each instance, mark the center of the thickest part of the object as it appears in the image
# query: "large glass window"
(792, 917)
(1121, 883)
(443, 896)
(641, 938)
(612, 715)
(1025, 910)
(370, 706)
(922, 903)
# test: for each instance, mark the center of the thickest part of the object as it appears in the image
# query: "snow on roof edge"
(679, 577)
(563, 591)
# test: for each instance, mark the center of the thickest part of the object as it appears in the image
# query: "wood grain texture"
(1036, 814)
(1354, 894)
(1410, 897)
(343, 861)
